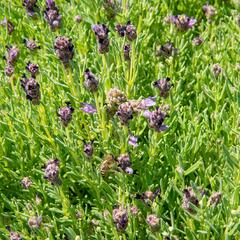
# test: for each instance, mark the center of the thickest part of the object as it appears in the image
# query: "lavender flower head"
(32, 68)
(32, 89)
(91, 82)
(182, 22)
(14, 236)
(215, 198)
(65, 114)
(153, 221)
(35, 221)
(52, 171)
(131, 31)
(8, 24)
(124, 163)
(167, 50)
(197, 41)
(31, 44)
(9, 70)
(134, 210)
(101, 32)
(216, 69)
(78, 18)
(31, 6)
(88, 149)
(126, 52)
(133, 141)
(189, 198)
(64, 49)
(120, 218)
(121, 29)
(125, 113)
(164, 86)
(52, 14)
(26, 182)
(156, 119)
(209, 11)
(88, 108)
(13, 53)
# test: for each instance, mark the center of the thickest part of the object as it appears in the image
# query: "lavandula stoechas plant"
(164, 86)
(215, 198)
(65, 114)
(8, 24)
(52, 171)
(52, 14)
(209, 11)
(31, 44)
(32, 89)
(120, 218)
(189, 198)
(32, 68)
(26, 182)
(31, 7)
(126, 52)
(125, 113)
(153, 221)
(91, 82)
(182, 22)
(35, 221)
(101, 32)
(124, 163)
(64, 49)
(216, 69)
(13, 53)
(128, 30)
(167, 50)
(88, 149)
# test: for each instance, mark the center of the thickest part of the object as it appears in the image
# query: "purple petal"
(163, 128)
(149, 102)
(133, 141)
(88, 108)
(147, 114)
(192, 22)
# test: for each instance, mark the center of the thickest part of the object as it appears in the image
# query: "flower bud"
(52, 171)
(120, 218)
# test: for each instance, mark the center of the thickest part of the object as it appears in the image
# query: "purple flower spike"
(31, 6)
(88, 108)
(133, 141)
(182, 22)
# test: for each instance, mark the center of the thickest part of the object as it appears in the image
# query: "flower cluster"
(153, 221)
(32, 89)
(120, 218)
(88, 149)
(167, 50)
(182, 22)
(26, 182)
(52, 171)
(8, 24)
(124, 163)
(13, 53)
(65, 114)
(209, 11)
(126, 51)
(31, 6)
(189, 200)
(52, 14)
(64, 49)
(101, 32)
(91, 82)
(31, 44)
(215, 198)
(35, 221)
(164, 86)
(32, 68)
(128, 30)
(125, 113)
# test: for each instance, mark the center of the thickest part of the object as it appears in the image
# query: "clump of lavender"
(156, 119)
(88, 149)
(167, 50)
(209, 11)
(124, 163)
(139, 105)
(126, 52)
(65, 114)
(107, 164)
(197, 41)
(52, 171)
(101, 32)
(215, 198)
(8, 24)
(91, 82)
(115, 97)
(128, 30)
(9, 70)
(125, 113)
(216, 69)
(120, 218)
(31, 7)
(26, 182)
(110, 8)
(35, 221)
(164, 86)
(189, 198)
(64, 49)
(32, 68)
(153, 221)
(32, 89)
(31, 44)
(182, 22)
(52, 14)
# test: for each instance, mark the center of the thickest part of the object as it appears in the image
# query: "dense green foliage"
(200, 149)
